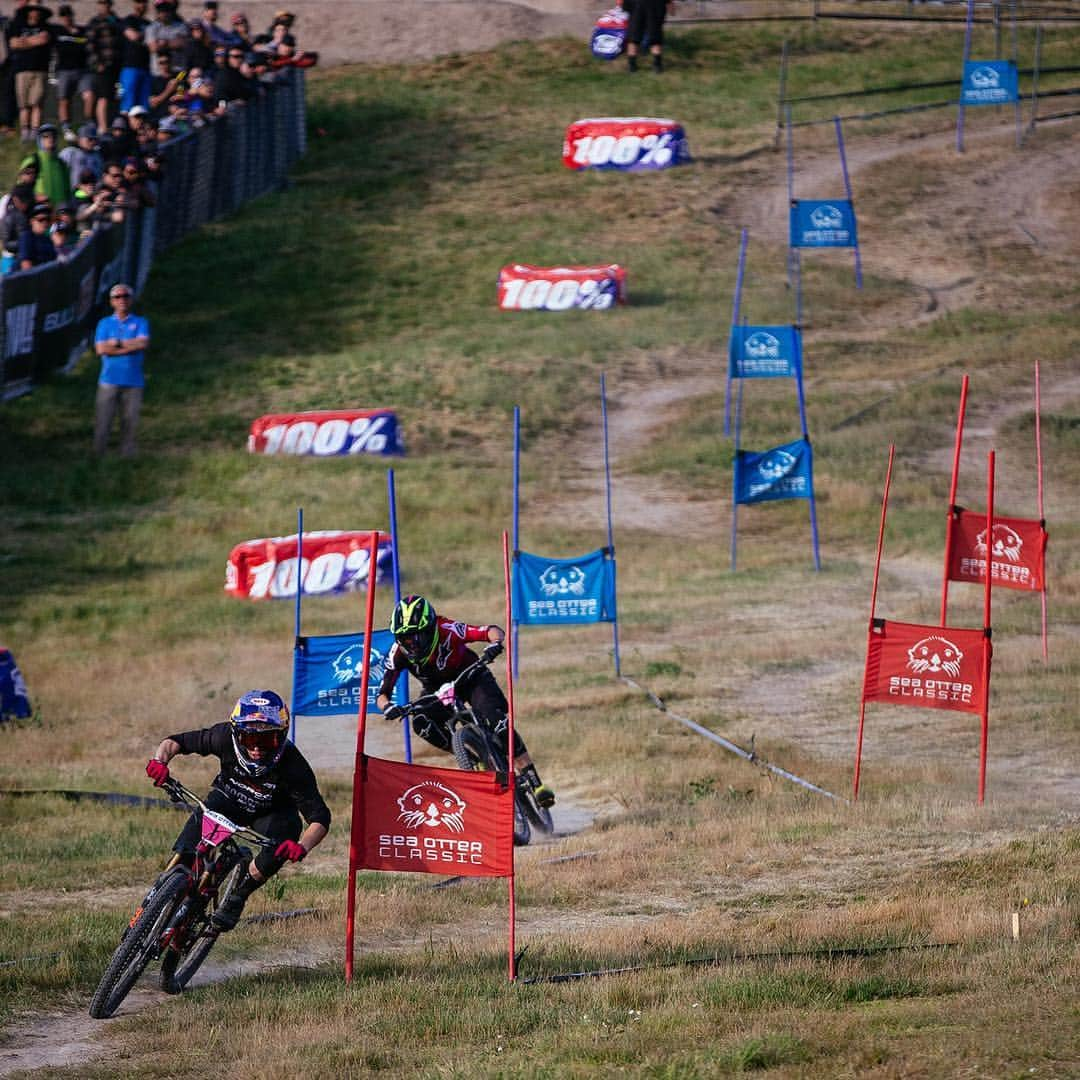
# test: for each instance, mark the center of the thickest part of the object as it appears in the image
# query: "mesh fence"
(49, 313)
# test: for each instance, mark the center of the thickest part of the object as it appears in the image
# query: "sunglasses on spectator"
(236, 56)
(121, 296)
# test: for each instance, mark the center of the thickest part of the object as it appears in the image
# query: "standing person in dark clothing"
(168, 33)
(198, 53)
(647, 21)
(35, 245)
(230, 82)
(31, 45)
(134, 59)
(265, 783)
(72, 66)
(13, 224)
(103, 45)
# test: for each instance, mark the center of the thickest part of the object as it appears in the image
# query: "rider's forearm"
(168, 749)
(313, 835)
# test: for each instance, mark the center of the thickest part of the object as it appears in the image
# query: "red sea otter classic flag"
(434, 821)
(933, 667)
(1017, 554)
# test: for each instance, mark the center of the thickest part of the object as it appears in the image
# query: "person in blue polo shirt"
(121, 341)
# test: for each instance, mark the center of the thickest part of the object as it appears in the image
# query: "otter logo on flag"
(1007, 543)
(1017, 553)
(434, 805)
(935, 654)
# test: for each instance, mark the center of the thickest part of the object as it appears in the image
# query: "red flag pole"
(1042, 512)
(361, 725)
(952, 499)
(510, 744)
(986, 625)
(873, 609)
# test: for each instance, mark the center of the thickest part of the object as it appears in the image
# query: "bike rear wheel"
(474, 752)
(139, 946)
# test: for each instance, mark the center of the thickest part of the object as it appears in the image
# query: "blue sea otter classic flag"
(765, 352)
(326, 673)
(820, 223)
(552, 592)
(785, 472)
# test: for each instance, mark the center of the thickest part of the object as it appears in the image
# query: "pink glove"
(447, 694)
(291, 850)
(158, 771)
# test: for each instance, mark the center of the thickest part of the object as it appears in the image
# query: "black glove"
(395, 712)
(491, 652)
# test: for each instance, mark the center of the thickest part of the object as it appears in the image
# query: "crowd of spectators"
(137, 83)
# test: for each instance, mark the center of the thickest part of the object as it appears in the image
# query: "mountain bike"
(477, 749)
(173, 921)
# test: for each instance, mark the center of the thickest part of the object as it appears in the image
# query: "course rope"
(717, 959)
(747, 755)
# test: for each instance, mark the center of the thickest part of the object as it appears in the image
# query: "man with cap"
(13, 224)
(121, 341)
(134, 59)
(72, 70)
(35, 245)
(103, 43)
(31, 45)
(54, 180)
(84, 156)
(216, 34)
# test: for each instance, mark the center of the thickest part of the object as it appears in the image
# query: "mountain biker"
(434, 649)
(265, 783)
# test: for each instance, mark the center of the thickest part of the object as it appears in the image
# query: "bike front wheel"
(538, 815)
(474, 752)
(139, 946)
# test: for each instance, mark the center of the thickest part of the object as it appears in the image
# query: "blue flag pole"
(806, 435)
(734, 475)
(391, 496)
(963, 69)
(610, 531)
(790, 186)
(517, 524)
(736, 304)
(296, 629)
(850, 199)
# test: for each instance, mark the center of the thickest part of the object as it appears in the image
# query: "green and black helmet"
(415, 628)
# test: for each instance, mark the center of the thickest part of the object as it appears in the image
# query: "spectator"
(121, 341)
(72, 66)
(84, 156)
(106, 204)
(215, 34)
(169, 34)
(15, 221)
(135, 59)
(31, 45)
(53, 181)
(35, 247)
(241, 32)
(199, 53)
(137, 192)
(64, 239)
(103, 44)
(9, 114)
(120, 142)
(231, 84)
(646, 21)
(163, 85)
(83, 195)
(27, 175)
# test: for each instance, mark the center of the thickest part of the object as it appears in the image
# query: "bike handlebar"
(428, 699)
(178, 793)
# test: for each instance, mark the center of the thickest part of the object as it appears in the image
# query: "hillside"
(778, 930)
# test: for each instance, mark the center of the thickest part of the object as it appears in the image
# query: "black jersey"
(288, 784)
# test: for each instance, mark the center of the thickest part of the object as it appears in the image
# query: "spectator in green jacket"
(53, 180)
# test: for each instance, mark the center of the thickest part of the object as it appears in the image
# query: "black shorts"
(647, 22)
(279, 824)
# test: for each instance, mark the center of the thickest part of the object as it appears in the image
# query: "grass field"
(841, 940)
